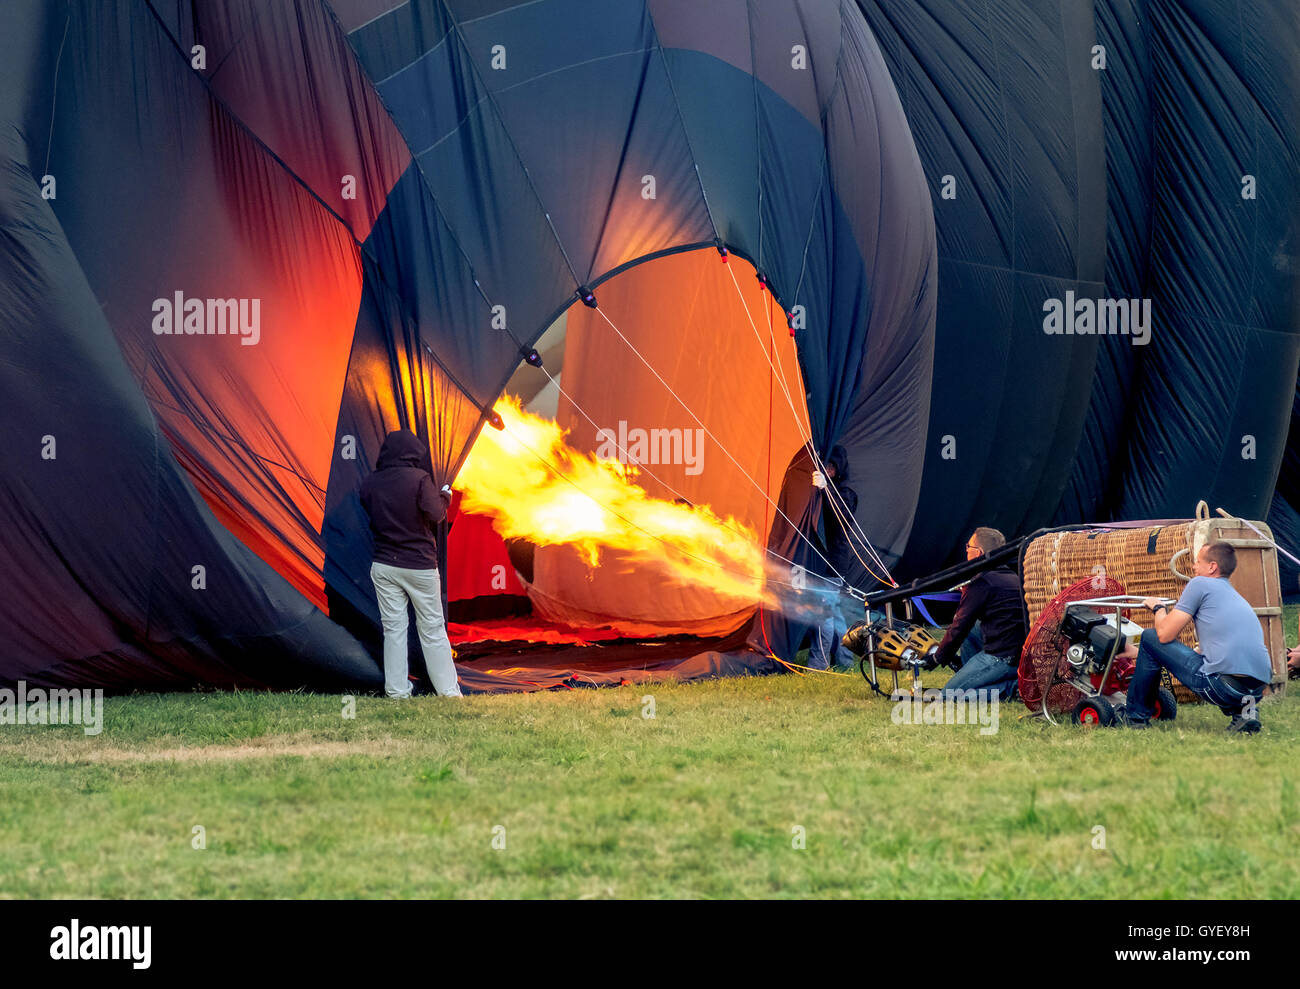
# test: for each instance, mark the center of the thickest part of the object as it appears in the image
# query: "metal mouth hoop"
(1121, 602)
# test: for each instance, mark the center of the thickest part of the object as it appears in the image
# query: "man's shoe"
(1243, 726)
(1122, 718)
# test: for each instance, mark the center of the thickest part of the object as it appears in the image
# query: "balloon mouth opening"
(623, 489)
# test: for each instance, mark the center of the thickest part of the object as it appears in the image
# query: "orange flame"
(538, 488)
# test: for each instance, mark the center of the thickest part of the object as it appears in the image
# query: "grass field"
(405, 799)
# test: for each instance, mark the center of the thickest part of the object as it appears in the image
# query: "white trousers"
(394, 586)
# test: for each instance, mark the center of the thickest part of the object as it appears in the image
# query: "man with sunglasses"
(992, 651)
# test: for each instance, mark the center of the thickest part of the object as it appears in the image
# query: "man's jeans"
(826, 648)
(972, 646)
(393, 587)
(1184, 663)
(987, 672)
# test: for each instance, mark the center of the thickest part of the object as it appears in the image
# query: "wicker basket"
(1156, 560)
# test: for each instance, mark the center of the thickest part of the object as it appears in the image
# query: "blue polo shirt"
(1232, 639)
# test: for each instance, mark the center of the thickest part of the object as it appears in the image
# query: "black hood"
(839, 458)
(402, 448)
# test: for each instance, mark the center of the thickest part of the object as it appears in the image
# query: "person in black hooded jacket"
(827, 648)
(404, 504)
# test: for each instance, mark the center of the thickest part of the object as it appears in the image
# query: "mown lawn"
(598, 801)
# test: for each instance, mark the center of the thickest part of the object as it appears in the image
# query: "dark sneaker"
(1243, 726)
(1121, 716)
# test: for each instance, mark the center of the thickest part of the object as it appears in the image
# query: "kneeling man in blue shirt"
(1234, 668)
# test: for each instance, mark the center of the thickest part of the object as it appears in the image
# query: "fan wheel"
(1093, 712)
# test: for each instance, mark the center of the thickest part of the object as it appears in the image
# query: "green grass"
(597, 801)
